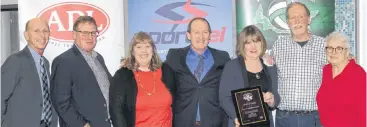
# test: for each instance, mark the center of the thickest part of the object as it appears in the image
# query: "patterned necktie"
(199, 69)
(46, 95)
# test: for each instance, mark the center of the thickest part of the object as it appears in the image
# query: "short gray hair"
(84, 19)
(339, 36)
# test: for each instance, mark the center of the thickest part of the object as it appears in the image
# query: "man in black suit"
(81, 80)
(198, 69)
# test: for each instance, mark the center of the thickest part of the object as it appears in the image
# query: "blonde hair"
(130, 61)
(252, 33)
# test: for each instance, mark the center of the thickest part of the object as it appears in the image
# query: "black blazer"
(75, 92)
(123, 92)
(235, 77)
(190, 91)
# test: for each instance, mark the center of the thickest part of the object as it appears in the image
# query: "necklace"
(141, 85)
(257, 76)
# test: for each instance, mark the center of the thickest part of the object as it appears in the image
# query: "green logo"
(270, 16)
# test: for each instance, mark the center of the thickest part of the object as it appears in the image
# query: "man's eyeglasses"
(87, 33)
(338, 49)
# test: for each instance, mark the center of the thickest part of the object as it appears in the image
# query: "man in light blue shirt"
(25, 89)
(198, 69)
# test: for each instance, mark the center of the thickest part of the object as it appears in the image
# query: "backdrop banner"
(61, 15)
(166, 21)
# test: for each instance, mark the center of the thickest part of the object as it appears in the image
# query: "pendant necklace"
(141, 85)
(257, 76)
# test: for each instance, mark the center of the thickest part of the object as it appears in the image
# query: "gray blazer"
(235, 77)
(76, 95)
(21, 95)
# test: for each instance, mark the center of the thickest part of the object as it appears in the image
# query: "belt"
(43, 123)
(299, 112)
(197, 124)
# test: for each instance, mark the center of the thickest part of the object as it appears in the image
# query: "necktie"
(199, 69)
(46, 95)
(197, 72)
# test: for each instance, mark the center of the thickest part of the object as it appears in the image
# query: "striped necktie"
(46, 95)
(199, 69)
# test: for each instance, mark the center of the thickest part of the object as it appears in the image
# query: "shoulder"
(65, 57)
(232, 64)
(318, 39)
(315, 37)
(174, 50)
(16, 56)
(13, 60)
(219, 53)
(284, 38)
(173, 56)
(99, 56)
(358, 69)
(123, 71)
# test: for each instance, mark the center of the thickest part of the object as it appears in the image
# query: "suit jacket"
(75, 91)
(189, 91)
(21, 94)
(235, 77)
(123, 92)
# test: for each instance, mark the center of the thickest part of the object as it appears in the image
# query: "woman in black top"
(248, 70)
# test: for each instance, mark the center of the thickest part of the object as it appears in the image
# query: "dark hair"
(296, 3)
(198, 18)
(84, 19)
(252, 33)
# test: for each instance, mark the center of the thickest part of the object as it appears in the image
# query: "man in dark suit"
(198, 69)
(81, 80)
(25, 94)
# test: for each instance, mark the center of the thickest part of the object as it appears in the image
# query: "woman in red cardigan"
(341, 98)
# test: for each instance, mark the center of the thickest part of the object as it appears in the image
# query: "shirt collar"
(310, 40)
(84, 53)
(35, 55)
(193, 53)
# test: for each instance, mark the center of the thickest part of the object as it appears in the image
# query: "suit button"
(106, 120)
(104, 105)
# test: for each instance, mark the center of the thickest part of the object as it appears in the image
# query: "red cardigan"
(342, 101)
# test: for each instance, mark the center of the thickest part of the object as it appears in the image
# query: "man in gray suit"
(25, 94)
(80, 80)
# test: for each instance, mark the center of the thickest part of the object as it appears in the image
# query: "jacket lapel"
(266, 70)
(85, 65)
(217, 63)
(183, 54)
(242, 67)
(32, 63)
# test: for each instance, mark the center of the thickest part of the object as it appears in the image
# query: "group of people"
(310, 80)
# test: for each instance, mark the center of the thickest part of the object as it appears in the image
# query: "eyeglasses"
(87, 33)
(338, 49)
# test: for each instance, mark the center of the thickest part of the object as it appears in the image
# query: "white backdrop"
(62, 13)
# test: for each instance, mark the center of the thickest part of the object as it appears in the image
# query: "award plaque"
(250, 106)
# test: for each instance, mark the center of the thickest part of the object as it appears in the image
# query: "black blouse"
(262, 81)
